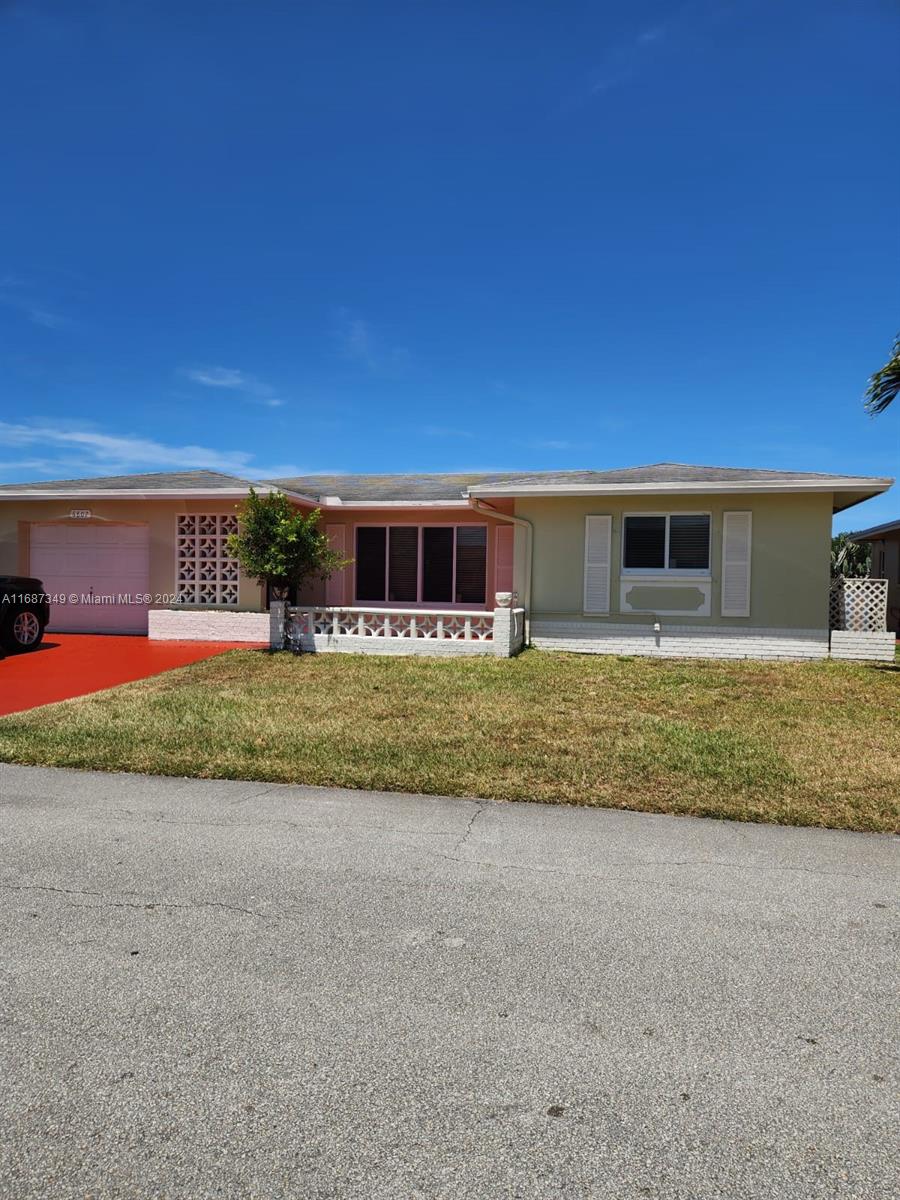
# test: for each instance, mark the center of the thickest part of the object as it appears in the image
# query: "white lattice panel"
(205, 572)
(859, 605)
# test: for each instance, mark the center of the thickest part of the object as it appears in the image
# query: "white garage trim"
(97, 574)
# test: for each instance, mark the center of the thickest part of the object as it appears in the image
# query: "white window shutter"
(597, 553)
(737, 530)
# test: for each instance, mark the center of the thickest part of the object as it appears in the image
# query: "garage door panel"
(90, 561)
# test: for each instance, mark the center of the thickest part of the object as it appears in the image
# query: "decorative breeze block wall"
(205, 573)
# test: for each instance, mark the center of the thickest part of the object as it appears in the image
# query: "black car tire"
(22, 630)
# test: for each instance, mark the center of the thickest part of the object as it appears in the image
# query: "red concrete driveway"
(72, 664)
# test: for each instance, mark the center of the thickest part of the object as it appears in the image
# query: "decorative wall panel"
(205, 573)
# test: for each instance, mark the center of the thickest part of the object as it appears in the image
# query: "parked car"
(24, 613)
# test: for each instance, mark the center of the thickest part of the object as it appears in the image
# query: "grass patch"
(813, 743)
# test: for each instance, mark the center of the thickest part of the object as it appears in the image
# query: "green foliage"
(849, 558)
(279, 545)
(884, 384)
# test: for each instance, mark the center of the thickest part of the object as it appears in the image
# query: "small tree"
(850, 559)
(279, 546)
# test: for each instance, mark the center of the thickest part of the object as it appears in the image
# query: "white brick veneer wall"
(851, 643)
(678, 641)
(207, 625)
(324, 643)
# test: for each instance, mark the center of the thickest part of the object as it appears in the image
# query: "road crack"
(467, 832)
(143, 904)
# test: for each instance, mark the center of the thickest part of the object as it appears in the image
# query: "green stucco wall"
(790, 561)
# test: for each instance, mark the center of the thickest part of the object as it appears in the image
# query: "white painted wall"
(208, 625)
(674, 641)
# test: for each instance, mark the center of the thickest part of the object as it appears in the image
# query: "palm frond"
(884, 384)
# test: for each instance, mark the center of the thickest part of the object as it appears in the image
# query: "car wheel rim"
(26, 628)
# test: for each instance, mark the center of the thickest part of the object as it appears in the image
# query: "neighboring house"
(884, 541)
(664, 559)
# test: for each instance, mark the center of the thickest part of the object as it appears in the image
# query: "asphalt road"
(235, 990)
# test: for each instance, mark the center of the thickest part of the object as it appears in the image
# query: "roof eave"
(263, 489)
(131, 494)
(839, 485)
(852, 496)
(875, 533)
(341, 505)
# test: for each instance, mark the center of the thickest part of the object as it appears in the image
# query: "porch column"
(509, 626)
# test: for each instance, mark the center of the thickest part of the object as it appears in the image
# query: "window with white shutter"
(597, 550)
(736, 551)
(665, 543)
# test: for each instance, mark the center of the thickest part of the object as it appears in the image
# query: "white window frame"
(420, 565)
(666, 571)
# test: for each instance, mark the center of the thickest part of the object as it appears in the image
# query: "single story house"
(662, 559)
(884, 541)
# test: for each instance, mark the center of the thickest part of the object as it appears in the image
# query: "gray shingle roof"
(391, 487)
(454, 486)
(377, 489)
(153, 481)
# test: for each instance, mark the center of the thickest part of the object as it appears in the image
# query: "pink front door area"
(71, 664)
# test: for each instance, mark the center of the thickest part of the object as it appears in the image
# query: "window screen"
(689, 542)
(437, 564)
(471, 564)
(403, 564)
(645, 543)
(371, 544)
(392, 560)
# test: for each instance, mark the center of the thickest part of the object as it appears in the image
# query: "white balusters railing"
(412, 623)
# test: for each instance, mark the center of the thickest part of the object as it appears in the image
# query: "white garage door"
(101, 566)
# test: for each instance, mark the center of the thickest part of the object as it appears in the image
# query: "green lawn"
(801, 743)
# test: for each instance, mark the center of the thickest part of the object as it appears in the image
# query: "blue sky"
(273, 238)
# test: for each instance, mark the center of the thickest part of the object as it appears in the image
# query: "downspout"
(482, 507)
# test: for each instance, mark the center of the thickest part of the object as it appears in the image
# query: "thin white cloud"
(19, 465)
(651, 35)
(70, 452)
(231, 379)
(218, 377)
(125, 452)
(622, 60)
(358, 342)
(15, 295)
